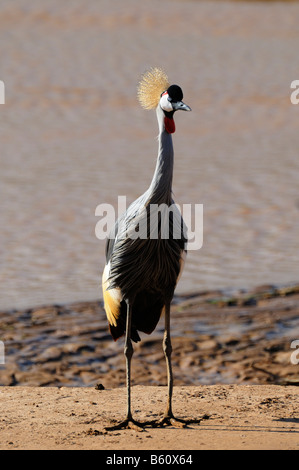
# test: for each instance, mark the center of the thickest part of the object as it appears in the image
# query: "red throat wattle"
(169, 125)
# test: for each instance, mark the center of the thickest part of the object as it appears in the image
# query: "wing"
(112, 294)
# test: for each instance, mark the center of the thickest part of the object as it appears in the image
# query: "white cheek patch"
(164, 103)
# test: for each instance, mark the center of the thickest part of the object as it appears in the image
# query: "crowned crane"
(141, 272)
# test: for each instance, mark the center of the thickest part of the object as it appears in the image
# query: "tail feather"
(146, 312)
(119, 330)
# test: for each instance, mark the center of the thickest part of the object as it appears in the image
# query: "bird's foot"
(128, 423)
(167, 420)
(170, 420)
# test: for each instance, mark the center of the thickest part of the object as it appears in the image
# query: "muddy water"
(73, 136)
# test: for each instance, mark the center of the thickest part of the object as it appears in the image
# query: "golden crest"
(150, 87)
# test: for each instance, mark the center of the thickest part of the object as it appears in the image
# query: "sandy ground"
(240, 417)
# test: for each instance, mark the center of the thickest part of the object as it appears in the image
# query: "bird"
(146, 249)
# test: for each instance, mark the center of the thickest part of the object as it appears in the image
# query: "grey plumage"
(143, 265)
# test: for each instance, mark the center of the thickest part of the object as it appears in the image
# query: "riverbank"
(63, 378)
(241, 339)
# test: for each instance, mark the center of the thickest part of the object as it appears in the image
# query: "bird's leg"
(167, 348)
(128, 351)
(129, 422)
(169, 418)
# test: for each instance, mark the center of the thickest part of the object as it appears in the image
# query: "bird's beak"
(180, 105)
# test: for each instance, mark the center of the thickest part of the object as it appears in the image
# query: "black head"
(171, 100)
(175, 93)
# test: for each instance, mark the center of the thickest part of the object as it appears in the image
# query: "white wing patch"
(112, 298)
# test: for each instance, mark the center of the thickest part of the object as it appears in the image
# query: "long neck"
(160, 188)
